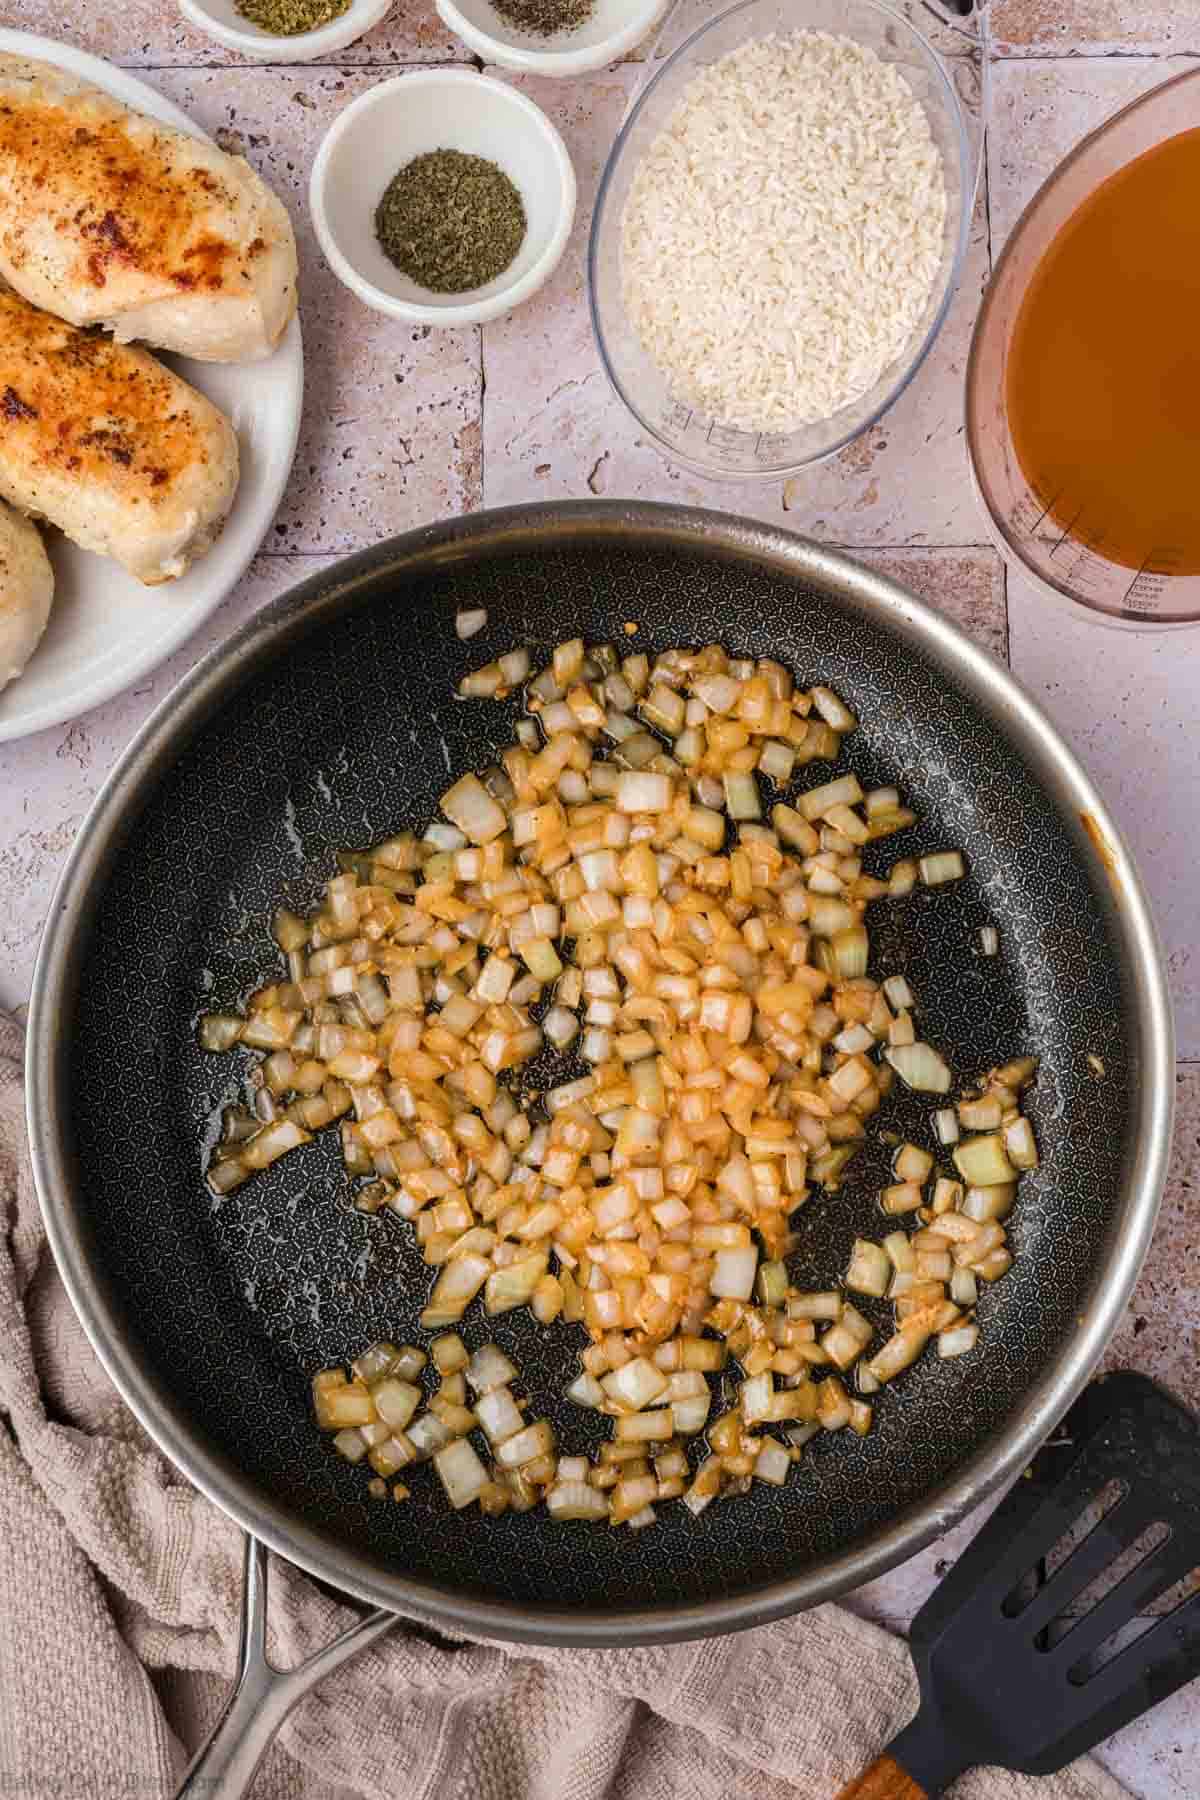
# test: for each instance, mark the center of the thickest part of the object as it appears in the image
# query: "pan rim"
(989, 683)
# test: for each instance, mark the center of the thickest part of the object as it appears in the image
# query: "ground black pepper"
(286, 18)
(450, 221)
(545, 17)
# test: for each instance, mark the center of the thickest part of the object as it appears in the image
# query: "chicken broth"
(1103, 377)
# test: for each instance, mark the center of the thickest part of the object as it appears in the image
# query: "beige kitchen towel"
(118, 1615)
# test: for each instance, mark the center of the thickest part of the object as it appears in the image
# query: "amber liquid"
(1103, 382)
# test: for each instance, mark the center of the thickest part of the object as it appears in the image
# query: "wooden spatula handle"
(884, 1780)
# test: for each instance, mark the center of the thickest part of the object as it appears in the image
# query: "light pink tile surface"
(1095, 27)
(151, 34)
(399, 430)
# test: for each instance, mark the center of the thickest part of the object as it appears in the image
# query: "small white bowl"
(439, 109)
(222, 21)
(614, 29)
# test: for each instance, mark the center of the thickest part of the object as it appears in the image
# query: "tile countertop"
(403, 426)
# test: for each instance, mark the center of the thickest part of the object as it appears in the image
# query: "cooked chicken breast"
(115, 450)
(26, 590)
(109, 218)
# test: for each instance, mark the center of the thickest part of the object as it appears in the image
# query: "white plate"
(106, 629)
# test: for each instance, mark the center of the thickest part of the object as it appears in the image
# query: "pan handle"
(262, 1696)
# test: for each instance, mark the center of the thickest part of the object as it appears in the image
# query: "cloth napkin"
(119, 1588)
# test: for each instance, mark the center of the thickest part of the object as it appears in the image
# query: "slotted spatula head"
(1075, 1609)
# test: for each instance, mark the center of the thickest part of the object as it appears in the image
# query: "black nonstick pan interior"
(349, 733)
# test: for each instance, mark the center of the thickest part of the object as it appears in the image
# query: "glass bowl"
(682, 433)
(1149, 598)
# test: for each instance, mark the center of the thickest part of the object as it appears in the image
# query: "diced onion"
(461, 1473)
(772, 1463)
(733, 1273)
(576, 1500)
(608, 887)
(983, 1161)
(946, 865)
(920, 1067)
(469, 805)
(489, 1368)
(958, 1340)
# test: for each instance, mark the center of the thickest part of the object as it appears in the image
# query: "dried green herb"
(545, 17)
(286, 18)
(450, 221)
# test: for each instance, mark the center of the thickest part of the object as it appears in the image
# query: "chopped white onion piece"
(489, 1368)
(946, 865)
(958, 1340)
(461, 1473)
(585, 1390)
(845, 791)
(691, 1415)
(635, 1385)
(733, 1273)
(470, 621)
(756, 1397)
(964, 1289)
(536, 1440)
(428, 1435)
(900, 1252)
(899, 995)
(920, 1067)
(499, 1415)
(576, 1500)
(772, 1463)
(741, 797)
(989, 940)
(395, 1401)
(1021, 1145)
(351, 1444)
(641, 792)
(945, 1123)
(870, 1269)
(469, 805)
(560, 1026)
(983, 1161)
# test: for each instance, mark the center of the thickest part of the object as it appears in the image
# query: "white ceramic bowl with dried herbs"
(220, 19)
(608, 30)
(383, 131)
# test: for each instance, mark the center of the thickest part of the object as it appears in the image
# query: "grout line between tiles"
(465, 59)
(482, 329)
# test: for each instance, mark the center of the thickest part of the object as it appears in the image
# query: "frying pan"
(328, 722)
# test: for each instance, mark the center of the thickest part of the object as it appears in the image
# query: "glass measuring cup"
(682, 433)
(1150, 597)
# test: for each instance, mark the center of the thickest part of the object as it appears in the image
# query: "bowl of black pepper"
(552, 37)
(442, 197)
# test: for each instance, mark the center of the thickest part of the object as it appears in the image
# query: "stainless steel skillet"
(328, 721)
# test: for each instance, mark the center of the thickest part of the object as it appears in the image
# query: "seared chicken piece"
(109, 218)
(26, 590)
(108, 445)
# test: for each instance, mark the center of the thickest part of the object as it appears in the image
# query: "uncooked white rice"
(782, 233)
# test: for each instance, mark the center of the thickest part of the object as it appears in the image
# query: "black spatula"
(1039, 1643)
